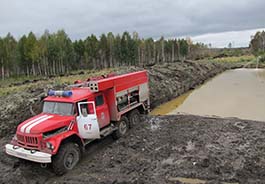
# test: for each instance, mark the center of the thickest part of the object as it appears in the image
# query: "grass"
(20, 79)
(87, 73)
(235, 59)
(7, 88)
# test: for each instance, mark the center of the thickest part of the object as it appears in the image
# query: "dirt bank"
(171, 80)
(166, 82)
(163, 150)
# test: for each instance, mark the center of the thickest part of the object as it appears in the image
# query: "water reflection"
(171, 105)
(260, 73)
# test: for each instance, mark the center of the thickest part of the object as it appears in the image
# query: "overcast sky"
(199, 19)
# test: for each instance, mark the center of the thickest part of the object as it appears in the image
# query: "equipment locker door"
(87, 122)
(102, 111)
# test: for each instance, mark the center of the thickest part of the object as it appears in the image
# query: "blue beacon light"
(67, 93)
(60, 93)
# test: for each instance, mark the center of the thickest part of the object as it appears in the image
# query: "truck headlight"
(15, 137)
(14, 140)
(49, 145)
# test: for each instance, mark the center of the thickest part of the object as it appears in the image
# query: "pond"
(234, 93)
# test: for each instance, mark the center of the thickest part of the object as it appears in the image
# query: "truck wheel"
(66, 158)
(134, 118)
(122, 126)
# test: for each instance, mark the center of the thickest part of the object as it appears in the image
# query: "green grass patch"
(235, 59)
(7, 86)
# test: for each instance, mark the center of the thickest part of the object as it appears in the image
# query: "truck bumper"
(35, 156)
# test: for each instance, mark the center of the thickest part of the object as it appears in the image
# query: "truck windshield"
(60, 108)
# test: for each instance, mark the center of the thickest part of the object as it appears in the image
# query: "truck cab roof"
(78, 94)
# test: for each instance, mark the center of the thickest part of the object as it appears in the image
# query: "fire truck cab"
(73, 118)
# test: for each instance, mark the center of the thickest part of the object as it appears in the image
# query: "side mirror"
(90, 108)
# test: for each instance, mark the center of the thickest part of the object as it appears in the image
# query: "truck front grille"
(31, 142)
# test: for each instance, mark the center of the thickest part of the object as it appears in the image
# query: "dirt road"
(161, 150)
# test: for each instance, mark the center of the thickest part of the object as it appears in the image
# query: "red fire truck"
(71, 119)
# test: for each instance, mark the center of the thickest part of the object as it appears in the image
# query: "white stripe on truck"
(22, 129)
(36, 123)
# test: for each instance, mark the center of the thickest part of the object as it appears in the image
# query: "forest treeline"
(56, 53)
(257, 44)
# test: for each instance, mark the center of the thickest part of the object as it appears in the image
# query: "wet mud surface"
(161, 149)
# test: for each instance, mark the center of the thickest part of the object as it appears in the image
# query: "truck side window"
(99, 100)
(77, 110)
(83, 108)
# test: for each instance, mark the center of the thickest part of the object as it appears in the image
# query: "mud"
(163, 149)
(158, 149)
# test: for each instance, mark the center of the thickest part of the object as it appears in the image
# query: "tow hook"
(43, 165)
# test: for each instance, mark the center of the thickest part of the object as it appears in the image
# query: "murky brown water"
(234, 93)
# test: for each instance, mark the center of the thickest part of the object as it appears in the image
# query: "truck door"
(87, 122)
(102, 110)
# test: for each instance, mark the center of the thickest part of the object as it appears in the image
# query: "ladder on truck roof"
(120, 82)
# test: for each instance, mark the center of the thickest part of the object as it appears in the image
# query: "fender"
(57, 140)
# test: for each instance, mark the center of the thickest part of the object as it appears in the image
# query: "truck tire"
(66, 158)
(134, 118)
(122, 126)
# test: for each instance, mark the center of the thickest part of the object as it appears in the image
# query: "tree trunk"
(45, 66)
(163, 52)
(173, 53)
(139, 56)
(110, 56)
(53, 67)
(143, 58)
(154, 54)
(105, 62)
(178, 51)
(27, 70)
(149, 53)
(61, 66)
(33, 69)
(94, 63)
(39, 68)
(3, 72)
(7, 73)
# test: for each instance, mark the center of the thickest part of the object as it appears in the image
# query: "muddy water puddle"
(234, 93)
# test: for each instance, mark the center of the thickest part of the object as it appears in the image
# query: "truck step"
(108, 130)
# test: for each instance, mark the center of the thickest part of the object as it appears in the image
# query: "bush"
(261, 58)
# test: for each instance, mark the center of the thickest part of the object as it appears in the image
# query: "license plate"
(21, 154)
